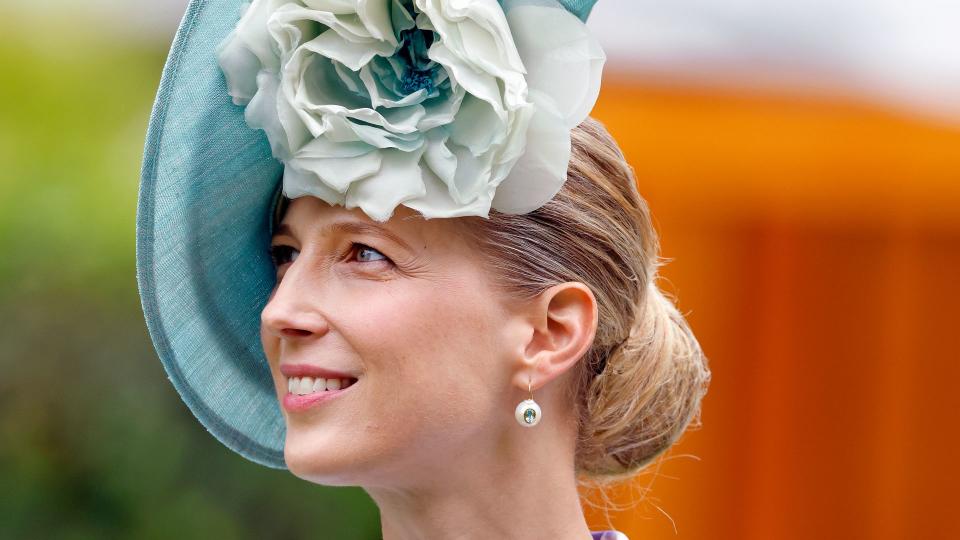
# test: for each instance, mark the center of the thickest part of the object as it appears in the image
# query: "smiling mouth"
(302, 386)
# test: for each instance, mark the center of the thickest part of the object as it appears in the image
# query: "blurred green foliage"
(94, 440)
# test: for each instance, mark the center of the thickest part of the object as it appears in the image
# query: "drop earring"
(528, 412)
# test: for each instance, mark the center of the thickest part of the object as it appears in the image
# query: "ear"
(564, 323)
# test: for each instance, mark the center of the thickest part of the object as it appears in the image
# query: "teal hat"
(210, 184)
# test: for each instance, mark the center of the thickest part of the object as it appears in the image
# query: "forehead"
(310, 216)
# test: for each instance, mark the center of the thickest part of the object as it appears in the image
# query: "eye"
(363, 249)
(281, 254)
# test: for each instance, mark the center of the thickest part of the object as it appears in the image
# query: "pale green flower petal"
(314, 82)
(353, 54)
(472, 174)
(337, 165)
(515, 145)
(482, 47)
(337, 7)
(438, 203)
(347, 25)
(400, 19)
(350, 80)
(438, 157)
(309, 79)
(290, 26)
(482, 85)
(240, 67)
(296, 131)
(441, 111)
(312, 87)
(478, 127)
(563, 58)
(252, 32)
(542, 169)
(398, 180)
(340, 128)
(378, 21)
(298, 183)
(400, 119)
(476, 32)
(325, 147)
(340, 173)
(381, 95)
(261, 113)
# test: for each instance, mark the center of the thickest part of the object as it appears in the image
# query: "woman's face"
(413, 320)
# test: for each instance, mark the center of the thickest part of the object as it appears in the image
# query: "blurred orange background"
(816, 254)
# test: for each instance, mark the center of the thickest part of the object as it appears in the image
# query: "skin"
(442, 362)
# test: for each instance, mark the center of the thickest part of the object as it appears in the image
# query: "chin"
(318, 462)
(318, 470)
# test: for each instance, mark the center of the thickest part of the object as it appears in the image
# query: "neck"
(520, 485)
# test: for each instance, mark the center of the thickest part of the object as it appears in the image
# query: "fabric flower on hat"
(449, 107)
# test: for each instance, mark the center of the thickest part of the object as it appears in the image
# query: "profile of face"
(406, 309)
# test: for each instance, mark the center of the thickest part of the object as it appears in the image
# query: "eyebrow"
(346, 227)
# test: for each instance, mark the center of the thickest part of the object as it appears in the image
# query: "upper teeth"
(306, 385)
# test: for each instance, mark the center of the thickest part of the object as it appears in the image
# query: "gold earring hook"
(529, 382)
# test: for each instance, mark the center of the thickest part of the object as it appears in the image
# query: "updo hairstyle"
(640, 385)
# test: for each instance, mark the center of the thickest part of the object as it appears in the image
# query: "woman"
(469, 373)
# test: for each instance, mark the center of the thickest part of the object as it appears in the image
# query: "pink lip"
(296, 403)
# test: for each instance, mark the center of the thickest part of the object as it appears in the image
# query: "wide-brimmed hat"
(209, 186)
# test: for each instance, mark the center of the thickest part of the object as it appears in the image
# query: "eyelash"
(280, 253)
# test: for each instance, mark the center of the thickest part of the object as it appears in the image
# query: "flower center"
(419, 72)
(414, 80)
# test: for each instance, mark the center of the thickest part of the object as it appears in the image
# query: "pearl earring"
(528, 412)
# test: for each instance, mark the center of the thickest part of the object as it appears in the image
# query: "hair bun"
(649, 394)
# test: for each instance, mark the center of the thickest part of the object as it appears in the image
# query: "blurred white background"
(904, 53)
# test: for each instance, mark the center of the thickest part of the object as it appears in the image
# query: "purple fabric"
(608, 535)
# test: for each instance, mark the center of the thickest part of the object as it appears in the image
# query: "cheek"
(423, 331)
(433, 356)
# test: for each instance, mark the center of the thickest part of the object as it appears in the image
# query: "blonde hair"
(640, 385)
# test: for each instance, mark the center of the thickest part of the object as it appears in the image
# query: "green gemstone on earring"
(529, 416)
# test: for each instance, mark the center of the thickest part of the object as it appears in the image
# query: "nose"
(289, 313)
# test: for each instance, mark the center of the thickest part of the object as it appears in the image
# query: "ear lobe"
(564, 325)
